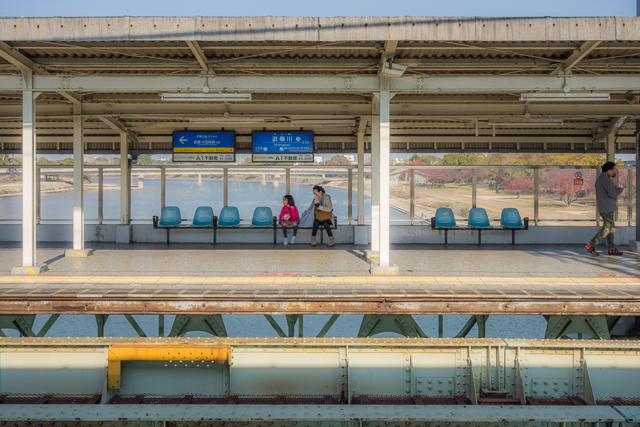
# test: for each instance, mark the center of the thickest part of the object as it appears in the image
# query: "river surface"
(257, 326)
(187, 195)
(245, 195)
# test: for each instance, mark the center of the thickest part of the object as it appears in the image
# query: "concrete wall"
(314, 29)
(416, 234)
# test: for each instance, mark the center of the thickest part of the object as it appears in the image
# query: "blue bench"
(172, 219)
(229, 219)
(262, 218)
(479, 221)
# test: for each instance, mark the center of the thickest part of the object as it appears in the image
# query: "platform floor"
(242, 260)
(233, 279)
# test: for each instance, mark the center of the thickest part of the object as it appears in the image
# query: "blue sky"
(318, 8)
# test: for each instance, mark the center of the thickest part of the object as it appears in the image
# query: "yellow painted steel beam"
(118, 353)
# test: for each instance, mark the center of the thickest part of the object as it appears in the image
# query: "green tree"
(67, 162)
(338, 160)
(145, 159)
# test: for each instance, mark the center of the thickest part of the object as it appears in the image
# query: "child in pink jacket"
(289, 216)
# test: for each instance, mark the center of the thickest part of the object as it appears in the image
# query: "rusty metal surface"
(334, 306)
(90, 342)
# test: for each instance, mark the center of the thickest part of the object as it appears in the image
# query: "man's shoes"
(591, 250)
(614, 251)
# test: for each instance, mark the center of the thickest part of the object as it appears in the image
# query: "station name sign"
(282, 147)
(204, 146)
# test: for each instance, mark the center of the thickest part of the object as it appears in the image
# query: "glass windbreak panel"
(634, 202)
(10, 194)
(145, 193)
(567, 195)
(56, 194)
(189, 188)
(111, 194)
(250, 188)
(399, 194)
(90, 198)
(622, 180)
(334, 180)
(500, 188)
(442, 188)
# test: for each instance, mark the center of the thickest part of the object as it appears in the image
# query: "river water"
(245, 195)
(187, 195)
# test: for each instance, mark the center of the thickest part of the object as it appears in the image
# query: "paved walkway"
(258, 260)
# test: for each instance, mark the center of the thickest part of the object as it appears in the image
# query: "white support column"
(78, 180)
(375, 175)
(124, 230)
(78, 187)
(611, 147)
(385, 148)
(361, 174)
(125, 181)
(29, 178)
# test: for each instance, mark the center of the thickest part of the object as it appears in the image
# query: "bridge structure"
(96, 85)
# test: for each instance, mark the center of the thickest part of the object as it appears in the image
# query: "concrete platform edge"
(392, 270)
(35, 270)
(75, 253)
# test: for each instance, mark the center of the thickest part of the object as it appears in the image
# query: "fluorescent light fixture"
(227, 120)
(531, 123)
(323, 122)
(559, 96)
(206, 97)
(392, 70)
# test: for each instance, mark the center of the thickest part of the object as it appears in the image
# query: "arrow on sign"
(182, 140)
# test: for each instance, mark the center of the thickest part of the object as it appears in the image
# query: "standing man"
(606, 200)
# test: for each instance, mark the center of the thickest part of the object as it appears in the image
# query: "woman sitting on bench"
(323, 214)
(289, 216)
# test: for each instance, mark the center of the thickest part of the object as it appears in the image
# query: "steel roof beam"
(199, 55)
(576, 57)
(613, 127)
(388, 53)
(119, 127)
(334, 84)
(23, 63)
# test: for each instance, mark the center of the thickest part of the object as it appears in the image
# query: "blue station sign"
(282, 147)
(204, 146)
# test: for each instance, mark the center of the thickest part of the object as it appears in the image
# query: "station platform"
(233, 279)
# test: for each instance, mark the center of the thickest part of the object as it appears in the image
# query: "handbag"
(323, 216)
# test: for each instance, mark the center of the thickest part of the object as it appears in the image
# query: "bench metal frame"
(321, 228)
(156, 226)
(215, 227)
(525, 222)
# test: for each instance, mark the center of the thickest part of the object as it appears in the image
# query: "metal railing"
(420, 182)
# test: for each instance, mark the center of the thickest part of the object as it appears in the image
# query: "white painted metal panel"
(55, 372)
(260, 372)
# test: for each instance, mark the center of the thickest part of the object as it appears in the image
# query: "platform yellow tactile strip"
(321, 280)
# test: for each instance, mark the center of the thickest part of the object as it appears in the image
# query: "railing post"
(163, 187)
(596, 207)
(350, 194)
(100, 195)
(412, 194)
(225, 191)
(536, 196)
(474, 189)
(629, 196)
(288, 179)
(38, 195)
